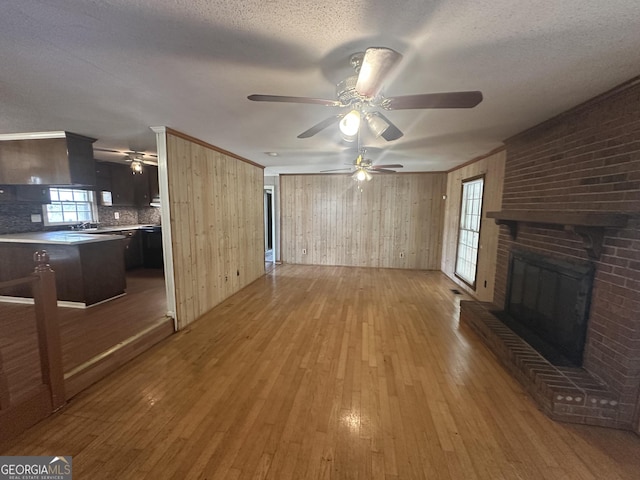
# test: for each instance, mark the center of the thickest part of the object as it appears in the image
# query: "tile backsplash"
(16, 218)
(128, 216)
(149, 216)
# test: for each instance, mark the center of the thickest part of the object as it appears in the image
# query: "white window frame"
(93, 209)
(468, 244)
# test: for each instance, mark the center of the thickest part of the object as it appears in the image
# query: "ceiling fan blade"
(435, 100)
(392, 132)
(108, 150)
(378, 167)
(381, 170)
(285, 99)
(321, 126)
(376, 65)
(336, 170)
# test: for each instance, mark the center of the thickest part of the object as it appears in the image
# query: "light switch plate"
(36, 218)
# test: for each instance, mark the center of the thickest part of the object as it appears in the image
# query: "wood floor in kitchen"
(328, 373)
(84, 333)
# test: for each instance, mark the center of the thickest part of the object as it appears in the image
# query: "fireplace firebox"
(547, 304)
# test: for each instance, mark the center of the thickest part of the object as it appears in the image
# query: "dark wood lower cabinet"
(86, 273)
(133, 249)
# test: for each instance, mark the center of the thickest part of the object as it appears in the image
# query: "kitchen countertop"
(119, 228)
(63, 237)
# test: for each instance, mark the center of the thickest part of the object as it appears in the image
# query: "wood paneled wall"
(217, 225)
(336, 224)
(492, 167)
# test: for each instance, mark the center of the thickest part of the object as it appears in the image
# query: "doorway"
(269, 230)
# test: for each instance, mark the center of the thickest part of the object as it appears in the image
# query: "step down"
(98, 367)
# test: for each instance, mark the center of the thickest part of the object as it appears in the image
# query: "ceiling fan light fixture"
(362, 175)
(350, 124)
(376, 124)
(136, 166)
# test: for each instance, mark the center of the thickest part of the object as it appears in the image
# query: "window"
(69, 206)
(469, 232)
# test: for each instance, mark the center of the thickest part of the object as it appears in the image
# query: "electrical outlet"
(304, 251)
(401, 254)
(116, 215)
(36, 218)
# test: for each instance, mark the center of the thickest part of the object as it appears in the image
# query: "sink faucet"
(81, 226)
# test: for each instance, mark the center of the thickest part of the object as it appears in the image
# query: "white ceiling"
(109, 69)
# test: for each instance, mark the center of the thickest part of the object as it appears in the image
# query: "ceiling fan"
(132, 156)
(363, 168)
(361, 95)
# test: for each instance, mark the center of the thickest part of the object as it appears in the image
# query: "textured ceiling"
(111, 68)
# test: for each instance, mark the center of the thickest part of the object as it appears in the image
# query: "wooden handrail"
(46, 305)
(46, 312)
(5, 396)
(18, 281)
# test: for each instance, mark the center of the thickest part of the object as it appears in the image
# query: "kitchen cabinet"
(127, 189)
(154, 183)
(7, 194)
(146, 186)
(33, 194)
(103, 177)
(122, 185)
(152, 247)
(89, 269)
(133, 249)
(52, 158)
(141, 188)
(24, 194)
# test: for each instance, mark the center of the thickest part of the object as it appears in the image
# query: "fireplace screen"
(548, 305)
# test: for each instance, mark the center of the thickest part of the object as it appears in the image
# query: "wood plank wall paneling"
(339, 225)
(492, 167)
(216, 225)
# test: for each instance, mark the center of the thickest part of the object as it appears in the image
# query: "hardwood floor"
(87, 332)
(84, 333)
(330, 373)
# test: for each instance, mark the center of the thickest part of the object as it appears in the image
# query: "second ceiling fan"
(361, 95)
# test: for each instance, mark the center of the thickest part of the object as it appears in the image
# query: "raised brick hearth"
(584, 160)
(564, 393)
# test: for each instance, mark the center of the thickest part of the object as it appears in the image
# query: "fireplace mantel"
(589, 226)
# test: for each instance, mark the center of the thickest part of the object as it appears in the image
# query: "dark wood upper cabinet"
(126, 188)
(39, 194)
(12, 194)
(154, 183)
(122, 186)
(103, 176)
(146, 185)
(66, 159)
(7, 194)
(82, 166)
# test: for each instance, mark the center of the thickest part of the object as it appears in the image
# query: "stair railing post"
(5, 397)
(46, 306)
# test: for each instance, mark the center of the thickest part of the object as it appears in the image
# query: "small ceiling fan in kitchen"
(361, 98)
(134, 158)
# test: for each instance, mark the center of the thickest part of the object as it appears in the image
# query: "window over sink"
(70, 206)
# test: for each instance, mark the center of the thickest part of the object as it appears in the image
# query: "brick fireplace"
(583, 164)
